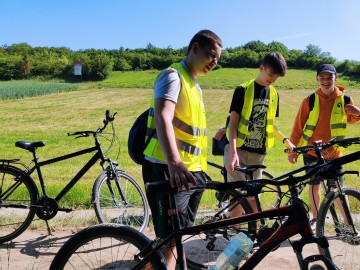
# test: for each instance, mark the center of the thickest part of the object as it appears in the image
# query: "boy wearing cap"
(322, 115)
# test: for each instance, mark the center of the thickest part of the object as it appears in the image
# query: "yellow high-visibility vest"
(338, 120)
(243, 128)
(189, 126)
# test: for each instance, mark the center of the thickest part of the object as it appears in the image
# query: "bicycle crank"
(49, 208)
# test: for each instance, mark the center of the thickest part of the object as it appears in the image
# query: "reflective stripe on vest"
(337, 122)
(243, 128)
(189, 128)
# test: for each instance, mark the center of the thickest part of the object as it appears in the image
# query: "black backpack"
(136, 140)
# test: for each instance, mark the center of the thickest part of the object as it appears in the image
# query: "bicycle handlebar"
(108, 118)
(253, 187)
(318, 145)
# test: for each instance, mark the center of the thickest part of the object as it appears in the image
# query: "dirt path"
(36, 249)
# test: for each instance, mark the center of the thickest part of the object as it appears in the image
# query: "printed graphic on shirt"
(257, 126)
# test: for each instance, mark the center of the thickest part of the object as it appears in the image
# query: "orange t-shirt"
(322, 129)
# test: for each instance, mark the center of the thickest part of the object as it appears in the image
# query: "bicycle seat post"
(38, 170)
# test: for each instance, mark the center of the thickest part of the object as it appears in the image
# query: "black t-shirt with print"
(255, 141)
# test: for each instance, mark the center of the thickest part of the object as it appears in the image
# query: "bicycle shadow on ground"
(32, 249)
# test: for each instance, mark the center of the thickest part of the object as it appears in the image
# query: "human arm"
(233, 127)
(298, 127)
(352, 112)
(220, 133)
(281, 137)
(164, 114)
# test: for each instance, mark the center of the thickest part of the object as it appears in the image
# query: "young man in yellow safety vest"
(251, 128)
(323, 115)
(177, 150)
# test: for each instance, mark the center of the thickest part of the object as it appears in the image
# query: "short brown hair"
(204, 38)
(276, 62)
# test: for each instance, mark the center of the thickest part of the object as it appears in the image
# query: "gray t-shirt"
(168, 85)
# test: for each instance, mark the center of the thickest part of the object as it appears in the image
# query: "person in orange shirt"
(313, 122)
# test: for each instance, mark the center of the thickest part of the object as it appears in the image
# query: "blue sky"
(332, 25)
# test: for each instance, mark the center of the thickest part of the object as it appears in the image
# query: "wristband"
(285, 139)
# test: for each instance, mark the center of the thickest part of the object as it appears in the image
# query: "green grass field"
(50, 117)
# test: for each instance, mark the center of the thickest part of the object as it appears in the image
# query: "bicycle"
(116, 196)
(125, 248)
(213, 243)
(214, 203)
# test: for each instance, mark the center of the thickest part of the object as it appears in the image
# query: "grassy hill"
(50, 117)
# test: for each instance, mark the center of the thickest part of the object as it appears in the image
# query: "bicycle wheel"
(17, 193)
(202, 250)
(344, 247)
(105, 246)
(121, 202)
(270, 196)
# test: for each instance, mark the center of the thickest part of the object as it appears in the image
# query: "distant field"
(224, 78)
(21, 89)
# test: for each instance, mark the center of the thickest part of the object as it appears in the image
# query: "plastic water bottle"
(239, 246)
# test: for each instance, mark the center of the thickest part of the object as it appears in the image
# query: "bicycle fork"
(111, 174)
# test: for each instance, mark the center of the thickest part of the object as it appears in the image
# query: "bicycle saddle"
(249, 168)
(29, 145)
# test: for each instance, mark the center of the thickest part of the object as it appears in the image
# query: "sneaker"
(313, 225)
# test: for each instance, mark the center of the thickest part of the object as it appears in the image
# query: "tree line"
(22, 61)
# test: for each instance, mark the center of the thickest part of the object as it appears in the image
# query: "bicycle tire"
(344, 247)
(105, 246)
(270, 196)
(133, 211)
(17, 193)
(202, 250)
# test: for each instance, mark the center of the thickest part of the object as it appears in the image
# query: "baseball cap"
(326, 68)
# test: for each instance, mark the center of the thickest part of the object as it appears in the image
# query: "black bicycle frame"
(98, 155)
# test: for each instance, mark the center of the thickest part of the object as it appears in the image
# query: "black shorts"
(308, 159)
(187, 202)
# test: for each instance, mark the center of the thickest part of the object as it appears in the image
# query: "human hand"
(179, 176)
(220, 133)
(352, 109)
(292, 157)
(234, 162)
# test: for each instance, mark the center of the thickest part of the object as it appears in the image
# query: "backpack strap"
(312, 100)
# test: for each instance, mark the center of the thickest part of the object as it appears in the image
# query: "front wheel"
(106, 246)
(17, 193)
(120, 200)
(344, 245)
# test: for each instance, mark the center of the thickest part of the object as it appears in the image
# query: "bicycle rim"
(105, 246)
(270, 196)
(202, 250)
(17, 193)
(110, 207)
(343, 245)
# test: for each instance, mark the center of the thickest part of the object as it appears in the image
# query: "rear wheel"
(17, 194)
(106, 246)
(122, 202)
(344, 245)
